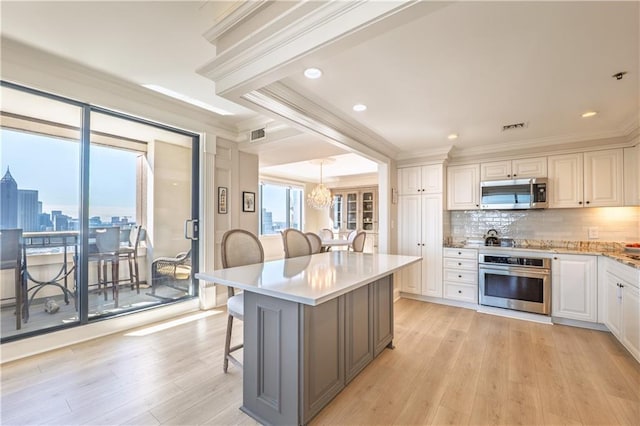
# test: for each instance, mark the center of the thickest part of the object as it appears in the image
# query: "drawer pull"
(459, 264)
(459, 276)
(459, 253)
(460, 291)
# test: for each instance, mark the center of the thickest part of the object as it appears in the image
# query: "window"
(280, 208)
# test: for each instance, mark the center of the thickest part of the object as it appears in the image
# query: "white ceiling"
(466, 68)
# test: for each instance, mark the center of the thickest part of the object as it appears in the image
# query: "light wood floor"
(450, 366)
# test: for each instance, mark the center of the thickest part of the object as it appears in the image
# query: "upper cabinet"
(420, 179)
(463, 187)
(590, 179)
(632, 176)
(514, 169)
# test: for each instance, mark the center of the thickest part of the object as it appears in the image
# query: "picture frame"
(248, 201)
(223, 192)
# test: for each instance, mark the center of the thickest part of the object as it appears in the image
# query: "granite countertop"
(612, 250)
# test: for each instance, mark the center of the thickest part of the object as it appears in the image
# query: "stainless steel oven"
(515, 282)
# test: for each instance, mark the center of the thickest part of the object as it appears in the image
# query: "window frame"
(288, 186)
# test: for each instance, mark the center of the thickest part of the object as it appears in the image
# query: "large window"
(280, 208)
(93, 208)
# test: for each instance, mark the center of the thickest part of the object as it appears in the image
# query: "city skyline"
(51, 166)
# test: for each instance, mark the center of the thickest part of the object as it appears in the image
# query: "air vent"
(514, 126)
(257, 135)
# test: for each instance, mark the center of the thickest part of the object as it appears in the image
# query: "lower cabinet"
(461, 274)
(341, 337)
(622, 304)
(574, 287)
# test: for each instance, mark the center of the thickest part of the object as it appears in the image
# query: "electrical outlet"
(593, 233)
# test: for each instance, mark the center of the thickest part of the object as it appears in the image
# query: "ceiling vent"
(514, 126)
(257, 135)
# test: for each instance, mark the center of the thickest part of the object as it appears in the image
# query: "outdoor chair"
(11, 258)
(130, 253)
(239, 248)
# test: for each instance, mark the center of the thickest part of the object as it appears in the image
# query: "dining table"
(334, 242)
(311, 324)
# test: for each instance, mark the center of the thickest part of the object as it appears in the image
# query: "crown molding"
(316, 24)
(293, 107)
(236, 15)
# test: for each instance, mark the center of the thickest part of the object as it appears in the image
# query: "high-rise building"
(28, 210)
(267, 222)
(44, 222)
(8, 201)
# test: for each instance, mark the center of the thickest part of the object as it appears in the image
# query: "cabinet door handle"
(514, 175)
(588, 202)
(460, 291)
(555, 258)
(508, 175)
(459, 263)
(460, 253)
(459, 276)
(580, 202)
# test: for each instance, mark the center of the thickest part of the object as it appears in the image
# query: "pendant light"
(320, 198)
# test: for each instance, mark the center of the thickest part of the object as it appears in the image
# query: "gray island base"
(308, 334)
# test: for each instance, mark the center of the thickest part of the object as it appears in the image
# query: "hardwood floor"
(450, 366)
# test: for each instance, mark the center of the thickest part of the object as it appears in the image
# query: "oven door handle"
(515, 270)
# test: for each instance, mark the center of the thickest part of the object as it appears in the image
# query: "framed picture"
(248, 201)
(222, 200)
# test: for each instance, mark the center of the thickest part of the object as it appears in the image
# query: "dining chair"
(350, 238)
(326, 234)
(130, 253)
(108, 245)
(357, 245)
(315, 241)
(295, 243)
(239, 248)
(11, 258)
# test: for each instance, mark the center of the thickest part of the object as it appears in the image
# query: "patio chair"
(130, 253)
(239, 248)
(11, 258)
(173, 272)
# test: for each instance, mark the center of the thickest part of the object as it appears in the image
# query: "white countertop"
(310, 280)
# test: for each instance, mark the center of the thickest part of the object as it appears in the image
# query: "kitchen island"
(311, 324)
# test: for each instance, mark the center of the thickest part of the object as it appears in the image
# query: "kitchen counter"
(573, 248)
(310, 280)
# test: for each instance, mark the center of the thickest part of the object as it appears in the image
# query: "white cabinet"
(420, 234)
(632, 176)
(420, 179)
(622, 304)
(420, 208)
(514, 169)
(590, 179)
(461, 274)
(574, 287)
(463, 187)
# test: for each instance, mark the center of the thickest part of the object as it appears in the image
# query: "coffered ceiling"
(425, 71)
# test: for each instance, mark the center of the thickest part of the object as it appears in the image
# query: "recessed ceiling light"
(313, 73)
(359, 107)
(452, 136)
(187, 99)
(589, 114)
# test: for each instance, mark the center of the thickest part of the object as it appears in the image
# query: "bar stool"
(108, 245)
(130, 253)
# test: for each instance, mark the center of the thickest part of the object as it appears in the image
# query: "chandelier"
(320, 198)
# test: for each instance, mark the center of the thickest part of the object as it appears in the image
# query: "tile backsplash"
(620, 224)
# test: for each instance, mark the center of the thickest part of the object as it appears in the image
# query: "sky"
(52, 167)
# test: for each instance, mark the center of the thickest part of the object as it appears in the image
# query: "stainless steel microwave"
(514, 194)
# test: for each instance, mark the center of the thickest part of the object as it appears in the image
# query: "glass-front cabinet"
(354, 209)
